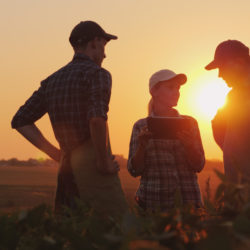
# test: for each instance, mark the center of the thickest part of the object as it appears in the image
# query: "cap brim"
(212, 65)
(109, 37)
(181, 78)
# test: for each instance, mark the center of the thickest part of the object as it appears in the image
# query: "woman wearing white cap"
(166, 148)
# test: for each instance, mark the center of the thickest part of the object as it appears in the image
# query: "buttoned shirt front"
(168, 169)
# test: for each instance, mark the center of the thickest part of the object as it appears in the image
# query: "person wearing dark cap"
(166, 149)
(232, 122)
(76, 98)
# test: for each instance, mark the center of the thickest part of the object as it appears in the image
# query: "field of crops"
(27, 220)
(25, 187)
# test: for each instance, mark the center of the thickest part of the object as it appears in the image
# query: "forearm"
(195, 158)
(34, 135)
(98, 132)
(193, 149)
(138, 161)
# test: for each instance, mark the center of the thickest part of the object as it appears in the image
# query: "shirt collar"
(153, 115)
(80, 56)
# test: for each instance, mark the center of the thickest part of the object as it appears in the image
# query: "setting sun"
(210, 96)
(157, 36)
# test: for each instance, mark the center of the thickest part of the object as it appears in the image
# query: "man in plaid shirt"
(76, 98)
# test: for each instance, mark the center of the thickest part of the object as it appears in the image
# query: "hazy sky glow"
(153, 34)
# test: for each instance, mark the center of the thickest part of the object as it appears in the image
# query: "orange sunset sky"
(153, 34)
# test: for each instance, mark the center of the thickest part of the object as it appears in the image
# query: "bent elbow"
(96, 122)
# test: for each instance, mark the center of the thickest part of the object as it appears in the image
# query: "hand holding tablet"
(167, 128)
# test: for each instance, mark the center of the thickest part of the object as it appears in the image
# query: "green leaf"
(219, 191)
(221, 176)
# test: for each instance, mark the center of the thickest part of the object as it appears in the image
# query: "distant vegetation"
(45, 162)
(28, 163)
(48, 162)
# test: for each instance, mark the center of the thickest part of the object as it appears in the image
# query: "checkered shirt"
(168, 169)
(71, 96)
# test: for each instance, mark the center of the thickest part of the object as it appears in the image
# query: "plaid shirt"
(168, 169)
(71, 96)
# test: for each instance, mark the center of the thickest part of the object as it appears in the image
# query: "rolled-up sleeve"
(99, 94)
(132, 149)
(33, 109)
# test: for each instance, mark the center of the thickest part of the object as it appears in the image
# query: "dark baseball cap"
(228, 50)
(86, 31)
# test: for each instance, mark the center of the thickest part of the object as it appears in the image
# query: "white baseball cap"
(164, 75)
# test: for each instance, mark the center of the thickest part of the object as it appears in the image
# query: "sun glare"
(210, 96)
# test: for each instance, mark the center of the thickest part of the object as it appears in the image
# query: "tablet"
(167, 128)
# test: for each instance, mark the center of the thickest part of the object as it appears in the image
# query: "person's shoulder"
(189, 118)
(97, 71)
(95, 68)
(56, 73)
(104, 72)
(140, 123)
